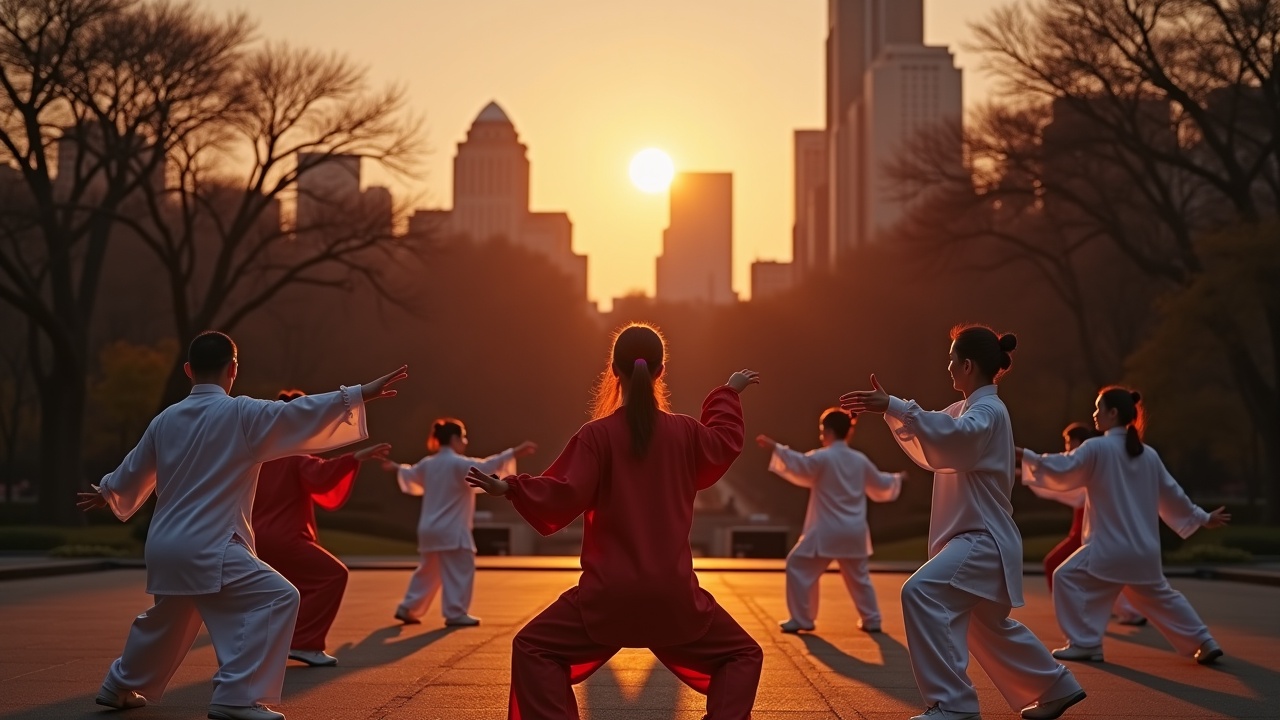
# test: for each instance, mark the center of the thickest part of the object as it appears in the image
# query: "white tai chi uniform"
(841, 480)
(1127, 497)
(201, 456)
(445, 543)
(959, 601)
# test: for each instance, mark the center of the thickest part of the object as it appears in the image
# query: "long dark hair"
(1129, 412)
(443, 431)
(638, 359)
(980, 344)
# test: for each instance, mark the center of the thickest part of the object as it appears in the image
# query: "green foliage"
(1255, 539)
(1198, 554)
(123, 397)
(31, 538)
(89, 551)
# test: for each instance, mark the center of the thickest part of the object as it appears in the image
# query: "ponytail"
(642, 407)
(443, 431)
(1129, 412)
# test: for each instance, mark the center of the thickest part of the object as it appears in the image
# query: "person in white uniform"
(445, 542)
(959, 601)
(840, 481)
(1128, 492)
(201, 457)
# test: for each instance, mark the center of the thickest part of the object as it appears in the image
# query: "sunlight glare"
(652, 170)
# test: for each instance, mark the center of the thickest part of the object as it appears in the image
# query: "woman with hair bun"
(445, 544)
(633, 472)
(959, 601)
(1129, 492)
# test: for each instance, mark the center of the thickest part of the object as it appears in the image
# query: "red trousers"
(553, 652)
(1066, 548)
(321, 580)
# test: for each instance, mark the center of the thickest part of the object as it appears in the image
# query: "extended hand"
(1218, 518)
(766, 442)
(373, 452)
(87, 501)
(741, 379)
(525, 449)
(875, 400)
(491, 484)
(390, 466)
(380, 388)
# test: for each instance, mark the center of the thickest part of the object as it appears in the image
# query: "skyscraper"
(809, 232)
(328, 189)
(696, 265)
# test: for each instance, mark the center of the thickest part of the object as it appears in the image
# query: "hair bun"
(1137, 397)
(1008, 342)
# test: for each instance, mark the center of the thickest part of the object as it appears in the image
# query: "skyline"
(586, 103)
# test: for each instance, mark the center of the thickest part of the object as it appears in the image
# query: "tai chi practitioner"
(286, 538)
(1072, 436)
(445, 544)
(840, 481)
(201, 457)
(1129, 492)
(632, 473)
(959, 601)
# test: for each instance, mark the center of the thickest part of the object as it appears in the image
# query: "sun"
(652, 170)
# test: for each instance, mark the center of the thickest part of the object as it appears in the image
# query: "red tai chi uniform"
(1064, 549)
(637, 587)
(284, 528)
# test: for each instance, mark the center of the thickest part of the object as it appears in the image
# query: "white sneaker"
(1208, 652)
(937, 713)
(1078, 653)
(462, 621)
(252, 712)
(314, 658)
(1050, 709)
(119, 699)
(866, 628)
(793, 627)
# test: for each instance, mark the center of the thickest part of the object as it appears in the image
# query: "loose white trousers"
(1083, 604)
(250, 622)
(946, 623)
(803, 575)
(455, 570)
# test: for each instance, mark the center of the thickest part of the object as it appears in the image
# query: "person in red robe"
(632, 472)
(284, 528)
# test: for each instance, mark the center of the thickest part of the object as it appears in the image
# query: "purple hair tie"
(642, 361)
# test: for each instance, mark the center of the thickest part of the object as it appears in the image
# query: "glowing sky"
(718, 84)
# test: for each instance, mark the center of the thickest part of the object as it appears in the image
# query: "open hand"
(491, 484)
(1218, 518)
(380, 388)
(741, 379)
(87, 501)
(525, 449)
(766, 442)
(875, 400)
(373, 452)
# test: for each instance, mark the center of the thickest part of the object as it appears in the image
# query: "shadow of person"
(383, 646)
(892, 654)
(1260, 701)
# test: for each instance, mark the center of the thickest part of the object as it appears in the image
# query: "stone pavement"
(58, 634)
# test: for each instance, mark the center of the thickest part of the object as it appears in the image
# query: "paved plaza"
(58, 634)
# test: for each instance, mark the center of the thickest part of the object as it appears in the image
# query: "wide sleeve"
(502, 464)
(566, 490)
(1176, 509)
(309, 424)
(795, 467)
(1060, 473)
(718, 436)
(328, 481)
(129, 486)
(882, 486)
(938, 441)
(413, 478)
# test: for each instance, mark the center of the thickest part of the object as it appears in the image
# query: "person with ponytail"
(632, 473)
(959, 601)
(446, 548)
(841, 480)
(1128, 493)
(285, 532)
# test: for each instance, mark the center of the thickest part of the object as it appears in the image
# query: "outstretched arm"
(129, 486)
(552, 500)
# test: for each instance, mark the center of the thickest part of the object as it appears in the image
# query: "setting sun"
(652, 170)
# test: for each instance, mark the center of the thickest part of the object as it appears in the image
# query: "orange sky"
(718, 84)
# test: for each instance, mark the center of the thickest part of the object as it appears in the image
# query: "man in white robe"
(201, 457)
(1126, 498)
(446, 546)
(840, 481)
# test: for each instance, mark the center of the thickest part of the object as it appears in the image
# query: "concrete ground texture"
(59, 634)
